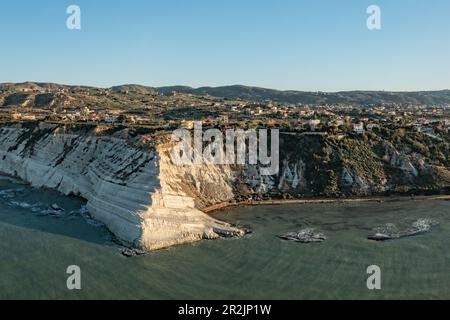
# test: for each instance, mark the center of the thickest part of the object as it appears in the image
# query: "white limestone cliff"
(136, 193)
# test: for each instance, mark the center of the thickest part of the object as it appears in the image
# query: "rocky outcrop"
(304, 236)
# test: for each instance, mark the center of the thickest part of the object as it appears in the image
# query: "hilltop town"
(166, 109)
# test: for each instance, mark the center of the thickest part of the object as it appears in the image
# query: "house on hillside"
(358, 128)
(313, 124)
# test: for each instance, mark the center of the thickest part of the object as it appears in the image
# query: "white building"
(358, 128)
(314, 123)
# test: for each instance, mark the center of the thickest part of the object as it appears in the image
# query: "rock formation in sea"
(390, 231)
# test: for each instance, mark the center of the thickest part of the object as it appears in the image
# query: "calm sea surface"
(36, 248)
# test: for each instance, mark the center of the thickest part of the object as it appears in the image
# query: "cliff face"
(150, 203)
(127, 188)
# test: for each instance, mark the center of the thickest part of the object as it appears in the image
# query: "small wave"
(24, 205)
(87, 217)
(423, 225)
(10, 193)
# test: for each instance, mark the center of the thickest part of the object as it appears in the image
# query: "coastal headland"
(147, 202)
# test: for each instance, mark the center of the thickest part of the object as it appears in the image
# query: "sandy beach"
(225, 205)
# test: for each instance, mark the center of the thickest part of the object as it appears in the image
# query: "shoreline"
(253, 203)
(380, 199)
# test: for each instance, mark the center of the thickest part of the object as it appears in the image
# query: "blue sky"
(284, 44)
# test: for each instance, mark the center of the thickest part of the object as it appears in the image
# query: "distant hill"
(134, 88)
(356, 97)
(32, 86)
(37, 86)
(250, 93)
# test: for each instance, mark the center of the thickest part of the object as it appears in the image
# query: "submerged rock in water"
(127, 252)
(304, 236)
(56, 210)
(387, 232)
(229, 233)
(381, 237)
(390, 231)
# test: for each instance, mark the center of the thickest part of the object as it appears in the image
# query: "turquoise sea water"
(36, 248)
